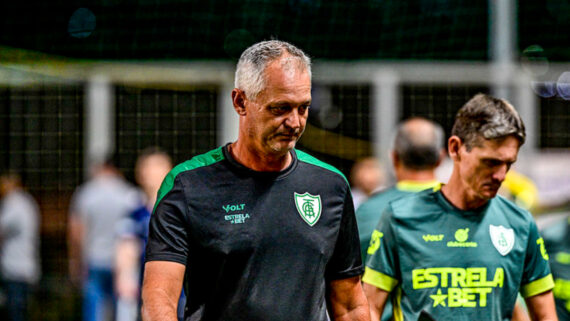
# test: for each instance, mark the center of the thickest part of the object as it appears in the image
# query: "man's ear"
(453, 146)
(395, 159)
(238, 100)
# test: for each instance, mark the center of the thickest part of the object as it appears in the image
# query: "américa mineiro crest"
(309, 207)
(503, 238)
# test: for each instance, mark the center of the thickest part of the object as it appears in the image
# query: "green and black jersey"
(454, 264)
(557, 240)
(256, 245)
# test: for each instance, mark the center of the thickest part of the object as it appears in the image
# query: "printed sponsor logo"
(233, 208)
(458, 287)
(461, 236)
(235, 218)
(432, 237)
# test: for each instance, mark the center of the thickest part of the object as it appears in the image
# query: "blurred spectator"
(150, 170)
(366, 177)
(19, 245)
(417, 152)
(95, 209)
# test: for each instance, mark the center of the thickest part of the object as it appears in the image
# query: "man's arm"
(541, 307)
(376, 300)
(519, 313)
(347, 301)
(161, 289)
(127, 267)
(75, 236)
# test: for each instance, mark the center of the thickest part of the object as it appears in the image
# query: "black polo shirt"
(256, 245)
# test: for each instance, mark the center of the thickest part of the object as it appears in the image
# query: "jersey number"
(374, 242)
(540, 242)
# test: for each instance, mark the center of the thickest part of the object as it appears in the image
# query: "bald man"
(417, 151)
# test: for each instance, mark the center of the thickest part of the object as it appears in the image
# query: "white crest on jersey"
(503, 238)
(309, 207)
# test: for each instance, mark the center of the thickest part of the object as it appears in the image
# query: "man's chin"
(489, 193)
(283, 146)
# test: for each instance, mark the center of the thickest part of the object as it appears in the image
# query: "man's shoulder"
(509, 208)
(21, 203)
(415, 205)
(380, 200)
(198, 161)
(305, 158)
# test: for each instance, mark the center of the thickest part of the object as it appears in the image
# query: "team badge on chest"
(503, 238)
(309, 207)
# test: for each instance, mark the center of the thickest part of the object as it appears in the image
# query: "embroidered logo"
(503, 238)
(309, 207)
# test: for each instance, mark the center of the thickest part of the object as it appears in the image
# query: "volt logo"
(432, 238)
(232, 208)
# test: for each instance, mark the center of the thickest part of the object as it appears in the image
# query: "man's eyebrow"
(287, 103)
(490, 158)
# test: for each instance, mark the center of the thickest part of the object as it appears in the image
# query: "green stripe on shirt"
(202, 160)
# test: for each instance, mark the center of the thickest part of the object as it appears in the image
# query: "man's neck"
(460, 197)
(417, 176)
(257, 161)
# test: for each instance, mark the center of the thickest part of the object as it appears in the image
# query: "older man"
(255, 229)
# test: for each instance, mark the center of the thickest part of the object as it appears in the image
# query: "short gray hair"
(419, 148)
(487, 117)
(250, 76)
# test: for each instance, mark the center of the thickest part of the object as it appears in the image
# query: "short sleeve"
(381, 264)
(536, 277)
(126, 227)
(168, 227)
(9, 225)
(76, 202)
(346, 261)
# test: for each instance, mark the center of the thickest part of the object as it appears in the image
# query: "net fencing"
(44, 130)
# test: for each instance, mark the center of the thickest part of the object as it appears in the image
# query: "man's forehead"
(288, 62)
(279, 80)
(500, 148)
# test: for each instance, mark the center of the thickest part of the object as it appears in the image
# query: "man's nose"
(501, 173)
(293, 119)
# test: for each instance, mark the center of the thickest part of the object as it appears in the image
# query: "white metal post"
(228, 120)
(502, 41)
(526, 103)
(385, 113)
(99, 121)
